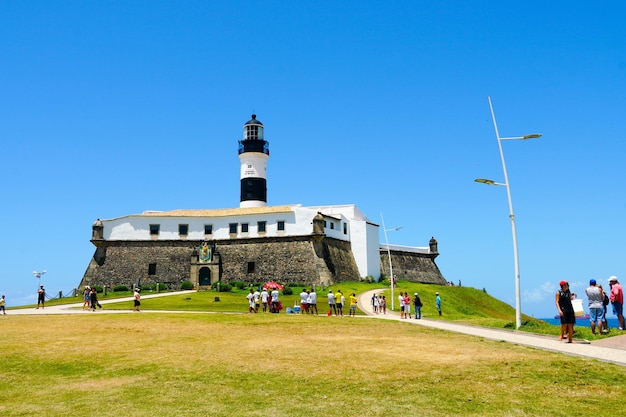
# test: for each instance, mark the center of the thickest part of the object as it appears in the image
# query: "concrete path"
(76, 308)
(611, 349)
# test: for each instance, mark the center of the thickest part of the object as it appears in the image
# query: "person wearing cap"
(136, 300)
(617, 299)
(41, 296)
(438, 303)
(596, 309)
(566, 311)
(417, 304)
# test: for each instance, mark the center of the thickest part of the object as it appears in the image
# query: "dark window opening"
(151, 269)
(232, 227)
(183, 229)
(244, 227)
(208, 229)
(154, 229)
(250, 267)
(261, 226)
(280, 225)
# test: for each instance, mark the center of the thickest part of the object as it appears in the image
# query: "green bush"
(98, 289)
(287, 291)
(121, 288)
(238, 284)
(186, 285)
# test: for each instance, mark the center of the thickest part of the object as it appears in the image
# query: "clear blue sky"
(112, 108)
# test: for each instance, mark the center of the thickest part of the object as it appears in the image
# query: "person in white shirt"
(304, 302)
(264, 298)
(274, 295)
(331, 302)
(312, 302)
(250, 298)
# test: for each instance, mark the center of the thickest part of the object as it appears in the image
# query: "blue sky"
(112, 108)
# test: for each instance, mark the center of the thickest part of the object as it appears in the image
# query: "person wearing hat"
(41, 296)
(596, 309)
(136, 300)
(417, 304)
(566, 311)
(617, 299)
(438, 303)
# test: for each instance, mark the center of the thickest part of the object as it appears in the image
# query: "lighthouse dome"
(254, 121)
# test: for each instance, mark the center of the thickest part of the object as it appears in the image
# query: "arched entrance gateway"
(204, 277)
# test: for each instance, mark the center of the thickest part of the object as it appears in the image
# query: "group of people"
(268, 301)
(379, 304)
(598, 301)
(90, 298)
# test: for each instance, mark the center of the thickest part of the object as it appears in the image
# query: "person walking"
(417, 303)
(136, 300)
(250, 298)
(2, 304)
(595, 297)
(564, 306)
(438, 303)
(617, 299)
(86, 297)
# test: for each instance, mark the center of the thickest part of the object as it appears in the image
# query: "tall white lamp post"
(38, 275)
(518, 302)
(391, 278)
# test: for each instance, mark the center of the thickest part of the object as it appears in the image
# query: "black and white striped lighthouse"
(254, 151)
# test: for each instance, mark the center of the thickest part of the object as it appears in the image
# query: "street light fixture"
(38, 275)
(518, 302)
(389, 255)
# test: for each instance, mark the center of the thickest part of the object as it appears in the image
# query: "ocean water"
(612, 320)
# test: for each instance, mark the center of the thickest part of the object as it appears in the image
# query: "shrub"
(163, 286)
(225, 288)
(121, 288)
(239, 284)
(186, 285)
(287, 291)
(98, 288)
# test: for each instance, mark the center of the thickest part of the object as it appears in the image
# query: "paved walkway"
(611, 349)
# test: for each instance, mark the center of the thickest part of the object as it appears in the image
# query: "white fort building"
(254, 243)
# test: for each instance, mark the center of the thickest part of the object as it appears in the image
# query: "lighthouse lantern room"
(253, 154)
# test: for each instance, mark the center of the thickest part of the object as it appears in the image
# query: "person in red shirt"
(617, 299)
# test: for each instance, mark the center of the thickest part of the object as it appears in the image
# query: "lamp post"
(389, 255)
(518, 302)
(38, 275)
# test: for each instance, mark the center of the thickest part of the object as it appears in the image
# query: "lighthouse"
(254, 151)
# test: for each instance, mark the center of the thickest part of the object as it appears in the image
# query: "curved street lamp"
(518, 302)
(389, 255)
(38, 275)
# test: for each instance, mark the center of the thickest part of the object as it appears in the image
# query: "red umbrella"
(273, 285)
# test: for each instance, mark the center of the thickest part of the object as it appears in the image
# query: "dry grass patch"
(286, 365)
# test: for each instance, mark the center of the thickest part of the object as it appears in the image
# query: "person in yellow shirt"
(353, 304)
